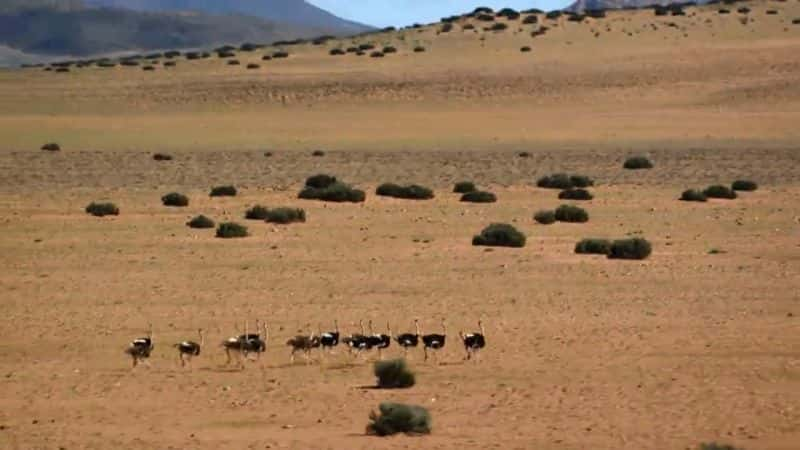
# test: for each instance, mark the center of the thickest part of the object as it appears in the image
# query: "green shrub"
(581, 181)
(720, 191)
(593, 247)
(320, 181)
(637, 162)
(175, 199)
(51, 147)
(257, 212)
(564, 181)
(570, 213)
(500, 235)
(575, 194)
(231, 230)
(410, 192)
(744, 185)
(715, 446)
(399, 418)
(223, 191)
(693, 195)
(462, 187)
(102, 209)
(479, 197)
(336, 192)
(394, 374)
(200, 221)
(636, 248)
(285, 215)
(545, 217)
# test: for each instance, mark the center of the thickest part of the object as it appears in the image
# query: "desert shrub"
(462, 187)
(172, 54)
(545, 217)
(286, 215)
(693, 195)
(553, 15)
(222, 191)
(170, 64)
(175, 199)
(394, 374)
(162, 157)
(352, 49)
(570, 213)
(366, 47)
(336, 52)
(129, 63)
(106, 64)
(233, 62)
(266, 58)
(500, 235)
(376, 54)
(525, 49)
(723, 11)
(581, 181)
(446, 28)
(479, 197)
(796, 22)
(720, 191)
(193, 55)
(200, 221)
(743, 10)
(468, 26)
(715, 446)
(636, 248)
(593, 247)
(772, 12)
(396, 418)
(499, 26)
(231, 230)
(318, 153)
(564, 181)
(508, 13)
(320, 181)
(336, 192)
(280, 54)
(575, 194)
(102, 209)
(419, 49)
(533, 19)
(744, 185)
(389, 49)
(576, 17)
(482, 10)
(596, 13)
(257, 212)
(637, 162)
(226, 54)
(252, 66)
(51, 147)
(148, 68)
(409, 192)
(485, 17)
(249, 47)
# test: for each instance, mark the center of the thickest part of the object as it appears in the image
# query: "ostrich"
(189, 349)
(407, 340)
(254, 342)
(434, 342)
(379, 341)
(358, 342)
(330, 339)
(140, 348)
(473, 342)
(301, 343)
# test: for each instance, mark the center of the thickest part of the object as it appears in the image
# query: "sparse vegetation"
(635, 248)
(593, 246)
(200, 221)
(175, 199)
(500, 235)
(257, 212)
(499, 26)
(545, 217)
(744, 185)
(410, 192)
(376, 54)
(252, 66)
(320, 181)
(479, 197)
(337, 52)
(162, 157)
(389, 49)
(51, 147)
(394, 374)
(637, 162)
(318, 153)
(715, 446)
(462, 187)
(525, 49)
(720, 191)
(280, 54)
(333, 192)
(570, 213)
(394, 418)
(419, 49)
(223, 191)
(229, 230)
(102, 209)
(233, 62)
(693, 195)
(285, 215)
(575, 194)
(564, 181)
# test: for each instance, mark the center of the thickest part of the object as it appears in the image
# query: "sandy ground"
(690, 345)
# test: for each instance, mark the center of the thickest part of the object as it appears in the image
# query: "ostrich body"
(434, 342)
(189, 349)
(473, 342)
(140, 348)
(303, 344)
(379, 341)
(330, 339)
(408, 340)
(358, 342)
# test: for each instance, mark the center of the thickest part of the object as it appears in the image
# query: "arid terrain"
(700, 342)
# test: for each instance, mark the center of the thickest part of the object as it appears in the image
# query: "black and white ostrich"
(379, 341)
(139, 349)
(246, 343)
(434, 342)
(408, 340)
(330, 339)
(304, 344)
(357, 342)
(189, 349)
(474, 342)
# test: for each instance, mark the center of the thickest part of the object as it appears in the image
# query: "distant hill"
(297, 12)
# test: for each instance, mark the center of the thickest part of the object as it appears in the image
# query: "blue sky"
(382, 13)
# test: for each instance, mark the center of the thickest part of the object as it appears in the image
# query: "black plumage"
(189, 349)
(141, 348)
(435, 342)
(330, 339)
(408, 340)
(473, 342)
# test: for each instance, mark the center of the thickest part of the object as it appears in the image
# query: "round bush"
(545, 217)
(285, 215)
(637, 162)
(231, 230)
(318, 153)
(102, 209)
(336, 52)
(525, 49)
(524, 154)
(252, 66)
(162, 157)
(257, 212)
(419, 49)
(593, 247)
(399, 418)
(394, 374)
(148, 68)
(693, 195)
(376, 54)
(320, 181)
(280, 54)
(500, 235)
(410, 192)
(222, 191)
(175, 199)
(336, 192)
(570, 213)
(233, 62)
(462, 187)
(575, 194)
(479, 197)
(200, 221)
(636, 248)
(389, 49)
(51, 147)
(170, 64)
(564, 181)
(720, 191)
(744, 185)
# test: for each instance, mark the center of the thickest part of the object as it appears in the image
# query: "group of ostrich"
(358, 344)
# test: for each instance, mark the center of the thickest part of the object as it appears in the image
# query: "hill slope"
(588, 5)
